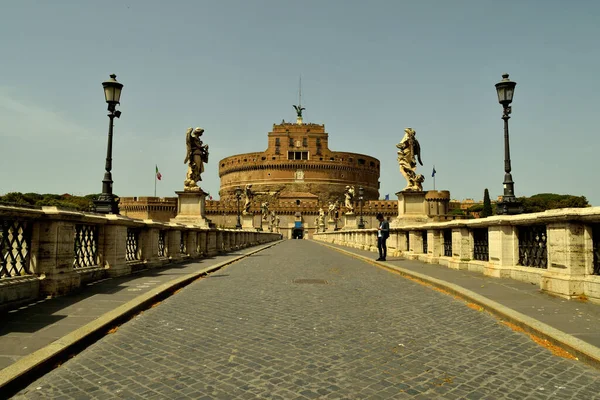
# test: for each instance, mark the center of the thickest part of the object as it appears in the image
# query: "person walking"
(383, 232)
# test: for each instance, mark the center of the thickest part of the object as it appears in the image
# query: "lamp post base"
(106, 204)
(509, 205)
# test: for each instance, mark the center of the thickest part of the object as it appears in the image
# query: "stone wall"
(156, 208)
(558, 250)
(51, 252)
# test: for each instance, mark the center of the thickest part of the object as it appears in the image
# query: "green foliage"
(456, 211)
(486, 210)
(15, 198)
(476, 208)
(550, 201)
(64, 201)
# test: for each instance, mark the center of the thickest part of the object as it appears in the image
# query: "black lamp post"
(510, 204)
(361, 194)
(107, 203)
(238, 196)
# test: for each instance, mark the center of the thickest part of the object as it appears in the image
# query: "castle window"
(222, 165)
(361, 161)
(297, 155)
(297, 202)
(277, 150)
(305, 142)
(331, 158)
(372, 164)
(264, 158)
(277, 142)
(351, 159)
(291, 142)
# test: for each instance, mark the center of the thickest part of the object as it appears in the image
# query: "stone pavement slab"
(33, 326)
(303, 321)
(576, 318)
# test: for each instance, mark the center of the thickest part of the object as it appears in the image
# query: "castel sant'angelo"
(298, 160)
(297, 186)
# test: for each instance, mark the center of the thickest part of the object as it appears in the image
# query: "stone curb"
(31, 367)
(582, 350)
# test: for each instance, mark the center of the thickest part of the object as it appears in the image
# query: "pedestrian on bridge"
(383, 232)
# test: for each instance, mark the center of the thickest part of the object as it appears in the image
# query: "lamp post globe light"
(238, 196)
(509, 205)
(361, 194)
(107, 203)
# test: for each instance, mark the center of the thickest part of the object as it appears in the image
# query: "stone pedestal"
(350, 221)
(412, 208)
(55, 258)
(331, 225)
(321, 227)
(190, 209)
(248, 222)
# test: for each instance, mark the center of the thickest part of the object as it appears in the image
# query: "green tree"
(15, 198)
(550, 201)
(456, 211)
(487, 205)
(64, 201)
(478, 208)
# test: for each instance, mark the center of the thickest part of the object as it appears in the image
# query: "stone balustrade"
(50, 252)
(559, 250)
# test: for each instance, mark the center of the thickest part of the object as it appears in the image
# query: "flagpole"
(155, 184)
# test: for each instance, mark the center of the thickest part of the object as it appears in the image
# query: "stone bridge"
(224, 314)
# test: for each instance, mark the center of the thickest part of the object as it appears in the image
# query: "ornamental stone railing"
(49, 252)
(559, 250)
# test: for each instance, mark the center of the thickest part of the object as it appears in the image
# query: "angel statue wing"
(188, 145)
(417, 148)
(299, 110)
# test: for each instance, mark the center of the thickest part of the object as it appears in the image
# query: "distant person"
(383, 232)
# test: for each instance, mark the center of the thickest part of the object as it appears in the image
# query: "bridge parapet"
(559, 250)
(47, 252)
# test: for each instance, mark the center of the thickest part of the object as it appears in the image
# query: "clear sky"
(369, 69)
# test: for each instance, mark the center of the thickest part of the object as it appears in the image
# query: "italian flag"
(158, 175)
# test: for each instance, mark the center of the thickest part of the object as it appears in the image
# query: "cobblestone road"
(252, 332)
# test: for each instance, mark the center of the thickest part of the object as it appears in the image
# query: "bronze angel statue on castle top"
(299, 110)
(195, 157)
